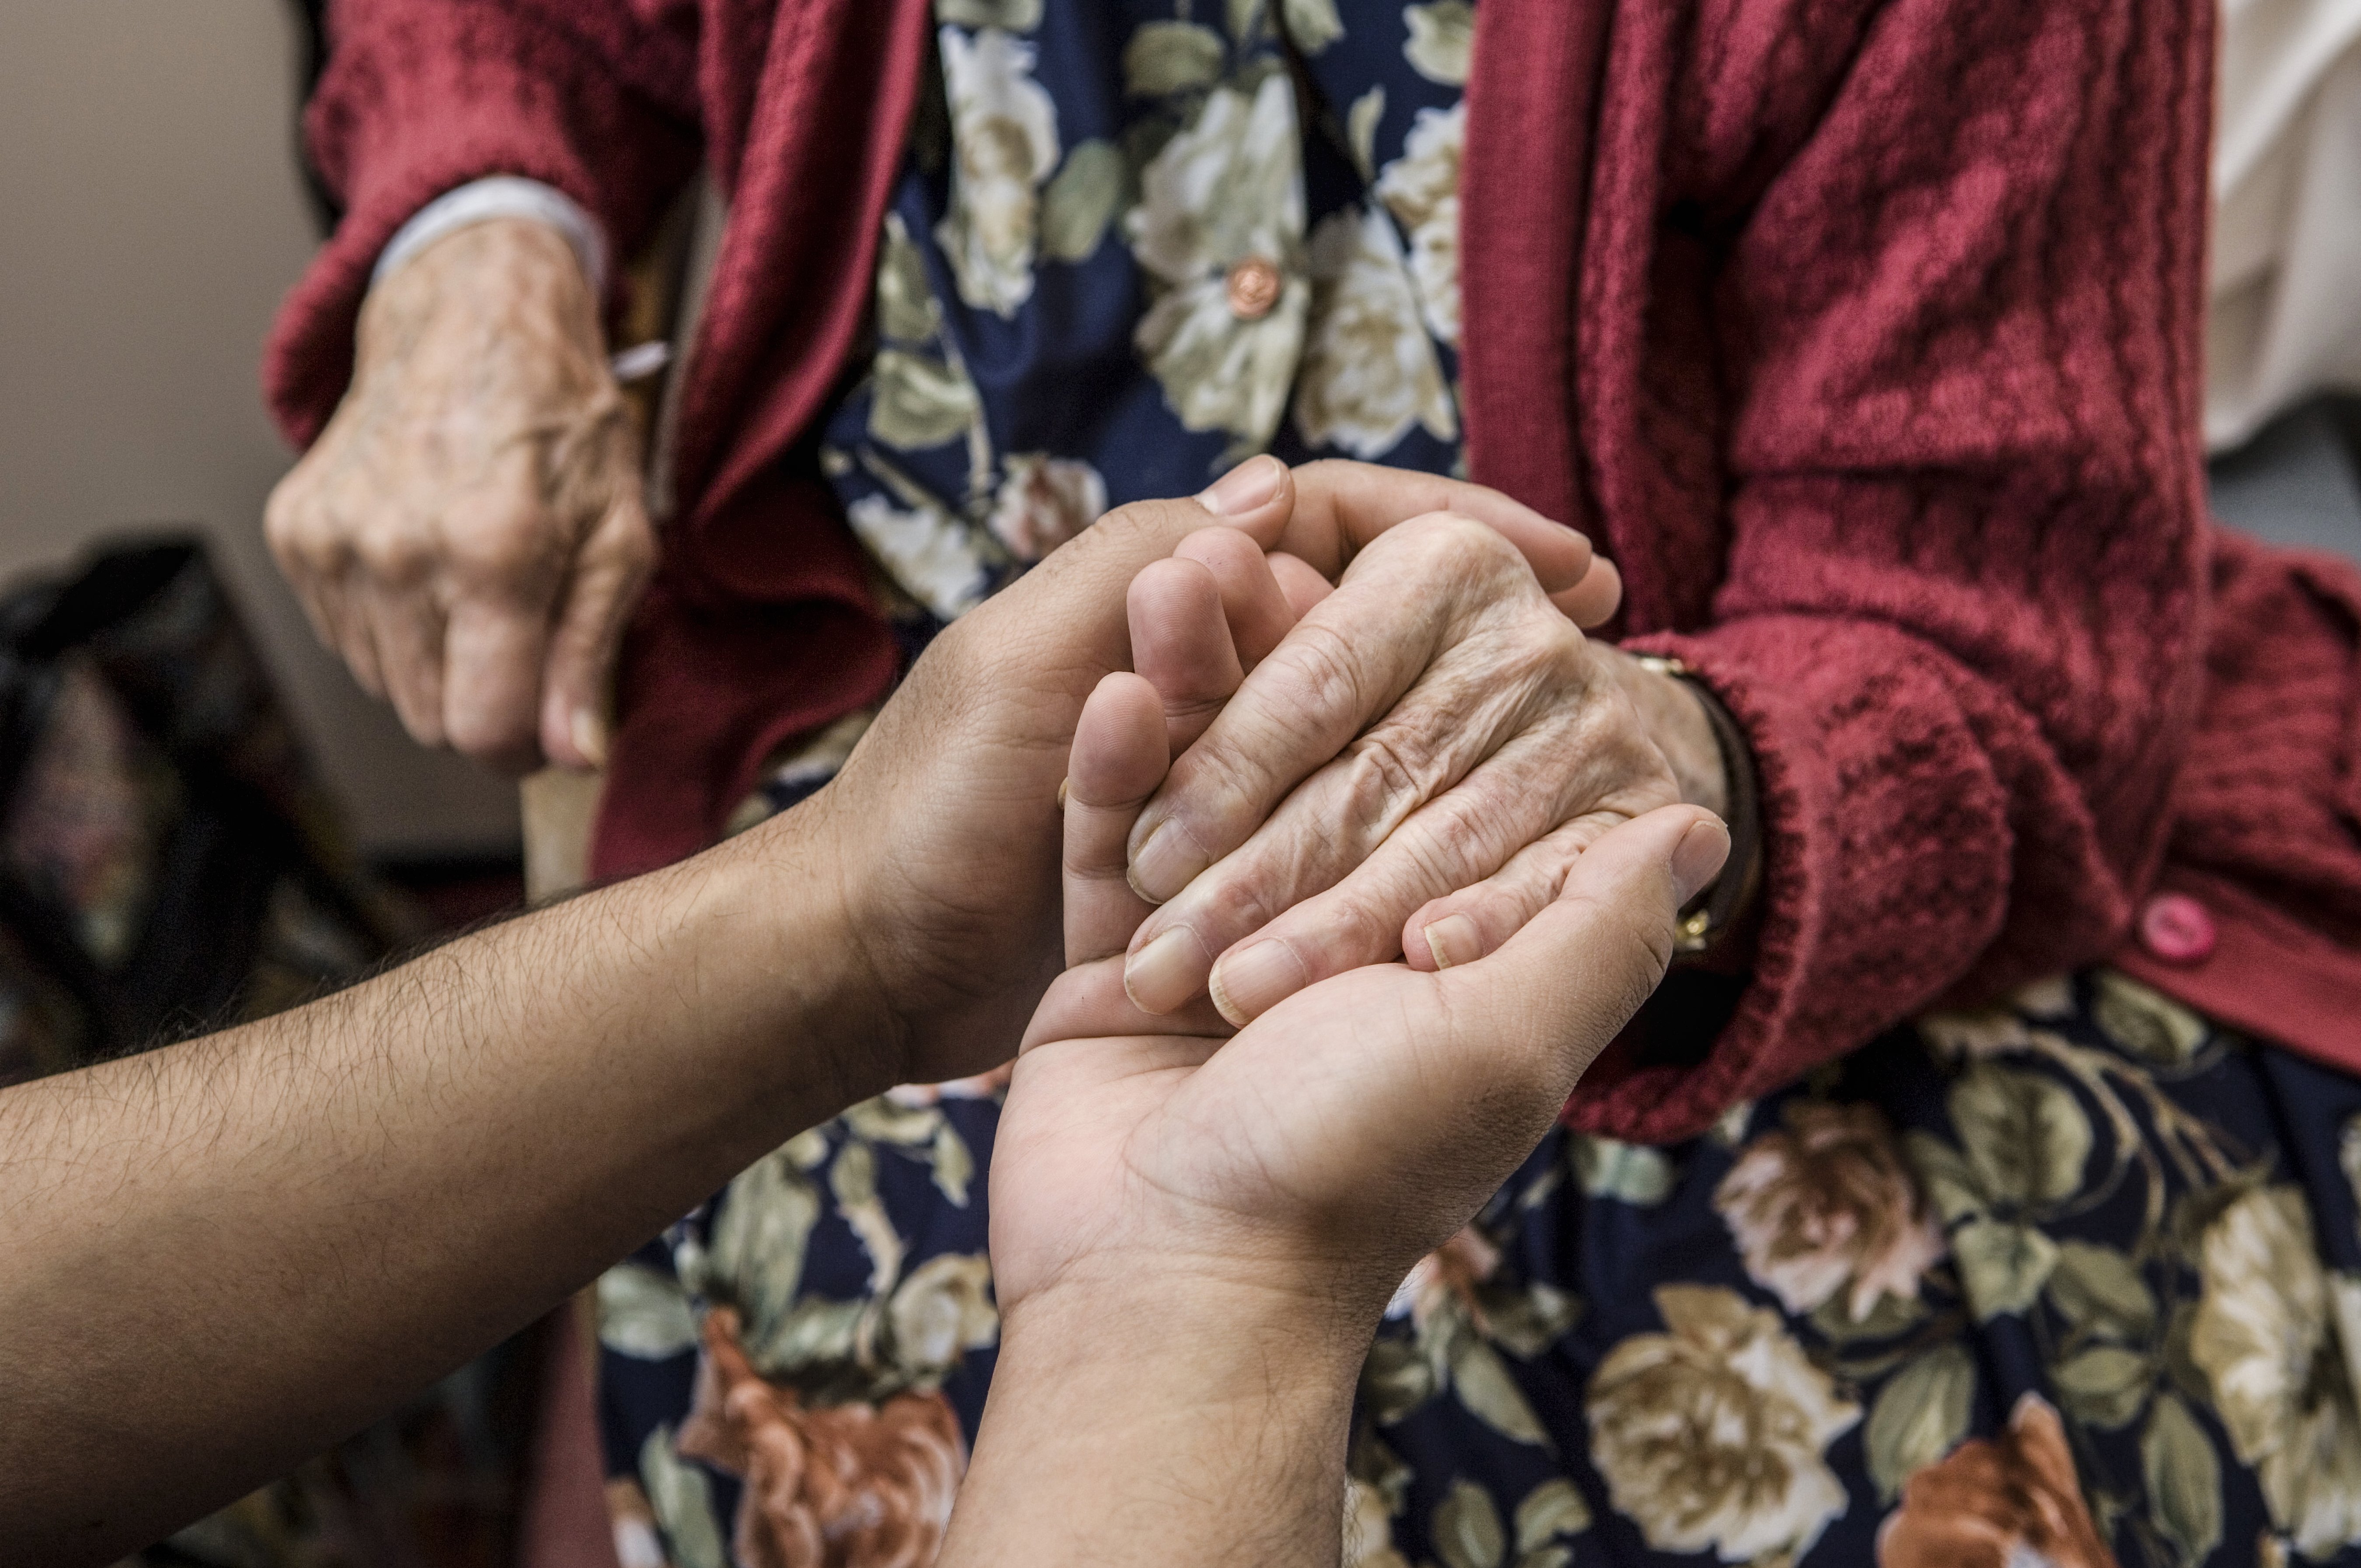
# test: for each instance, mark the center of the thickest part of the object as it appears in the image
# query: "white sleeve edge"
(498, 196)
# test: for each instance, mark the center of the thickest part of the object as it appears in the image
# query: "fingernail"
(590, 736)
(1164, 973)
(1698, 859)
(1246, 986)
(1454, 940)
(1244, 487)
(1166, 863)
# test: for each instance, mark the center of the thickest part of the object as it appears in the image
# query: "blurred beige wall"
(150, 217)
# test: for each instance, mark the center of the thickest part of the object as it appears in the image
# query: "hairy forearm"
(1154, 1423)
(226, 1254)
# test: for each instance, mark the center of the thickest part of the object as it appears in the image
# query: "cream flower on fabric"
(1004, 131)
(1441, 40)
(1043, 501)
(1226, 189)
(1711, 1435)
(1421, 188)
(1369, 369)
(2268, 1334)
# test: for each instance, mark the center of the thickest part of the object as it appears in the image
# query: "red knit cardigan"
(1864, 335)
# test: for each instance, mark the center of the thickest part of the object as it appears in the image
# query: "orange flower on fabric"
(1825, 1202)
(1997, 1502)
(845, 1486)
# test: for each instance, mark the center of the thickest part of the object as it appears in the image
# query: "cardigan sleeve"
(597, 98)
(1956, 334)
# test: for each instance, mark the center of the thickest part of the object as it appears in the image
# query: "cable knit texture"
(1863, 332)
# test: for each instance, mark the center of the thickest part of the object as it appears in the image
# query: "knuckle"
(1317, 671)
(392, 552)
(1354, 928)
(1236, 901)
(1391, 772)
(1465, 539)
(505, 555)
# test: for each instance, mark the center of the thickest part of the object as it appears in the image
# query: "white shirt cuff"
(499, 196)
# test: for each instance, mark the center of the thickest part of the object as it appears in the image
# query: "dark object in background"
(312, 23)
(169, 864)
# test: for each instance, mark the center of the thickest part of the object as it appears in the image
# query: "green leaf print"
(954, 1166)
(819, 1333)
(755, 1258)
(1467, 1528)
(1395, 1380)
(1921, 1415)
(1361, 129)
(907, 311)
(2144, 1022)
(882, 1121)
(644, 1313)
(1312, 24)
(1552, 1510)
(1172, 57)
(1012, 15)
(1944, 1176)
(853, 1181)
(1081, 201)
(682, 1499)
(2002, 1267)
(1480, 1379)
(1631, 1173)
(2106, 1385)
(2099, 1290)
(1441, 40)
(2184, 1479)
(1892, 1315)
(1527, 1319)
(2026, 1135)
(1247, 19)
(920, 400)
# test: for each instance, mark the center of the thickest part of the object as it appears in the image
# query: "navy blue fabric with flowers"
(2074, 1281)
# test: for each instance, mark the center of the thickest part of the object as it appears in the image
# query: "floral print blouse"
(2076, 1281)
(1138, 241)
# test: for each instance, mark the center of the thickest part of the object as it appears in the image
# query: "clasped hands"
(1427, 760)
(1242, 1178)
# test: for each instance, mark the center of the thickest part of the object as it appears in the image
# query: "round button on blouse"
(2177, 929)
(1253, 288)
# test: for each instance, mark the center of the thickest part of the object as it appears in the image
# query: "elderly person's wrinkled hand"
(947, 812)
(1413, 769)
(470, 531)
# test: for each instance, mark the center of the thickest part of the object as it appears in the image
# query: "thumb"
(1578, 971)
(608, 573)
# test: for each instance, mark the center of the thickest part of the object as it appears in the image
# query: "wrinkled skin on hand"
(946, 815)
(1415, 768)
(1305, 1152)
(470, 531)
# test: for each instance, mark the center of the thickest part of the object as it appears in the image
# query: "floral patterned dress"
(2075, 1281)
